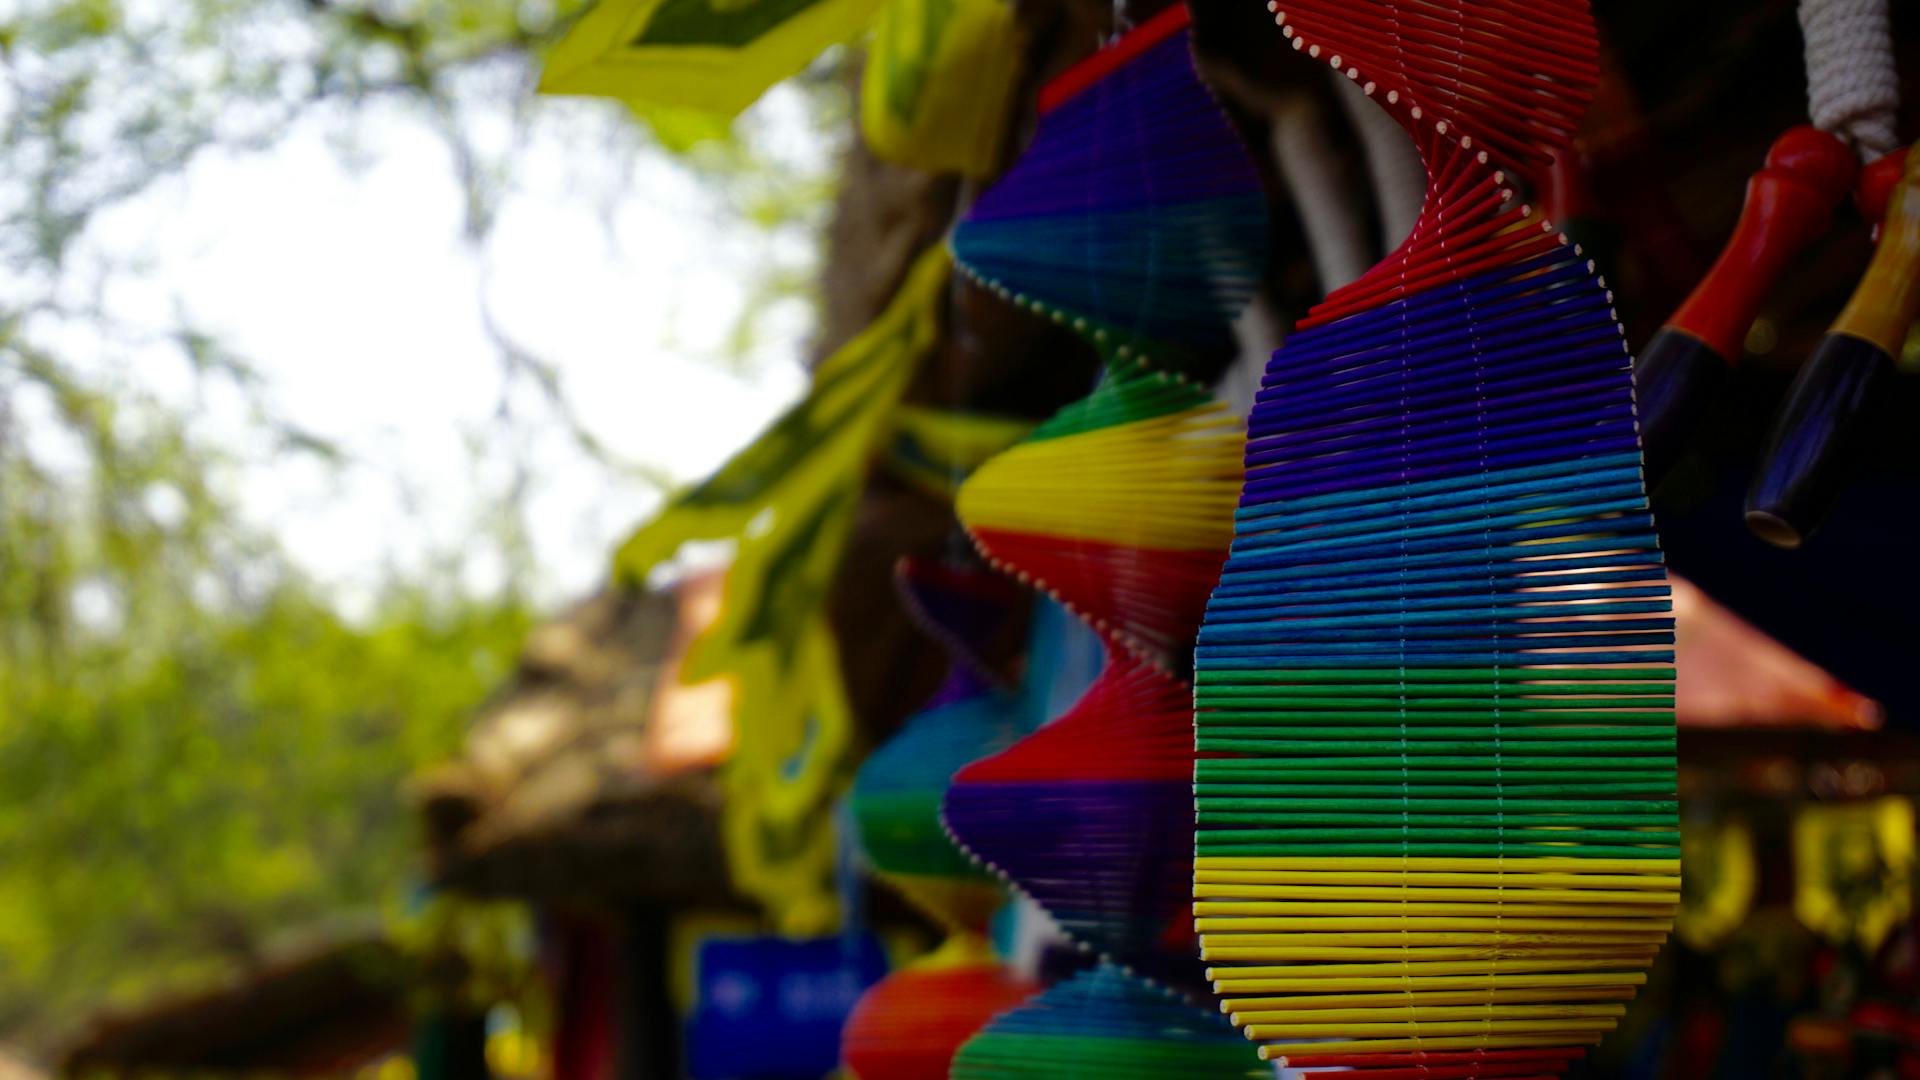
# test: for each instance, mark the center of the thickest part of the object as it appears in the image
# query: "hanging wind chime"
(1136, 217)
(1437, 828)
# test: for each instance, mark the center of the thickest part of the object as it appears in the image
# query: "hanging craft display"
(1108, 1025)
(1136, 217)
(1435, 797)
(896, 794)
(1089, 817)
(908, 1026)
(789, 500)
(1135, 212)
(896, 801)
(1068, 507)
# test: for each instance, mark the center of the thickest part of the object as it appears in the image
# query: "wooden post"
(649, 1029)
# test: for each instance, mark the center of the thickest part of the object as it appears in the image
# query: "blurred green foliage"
(198, 749)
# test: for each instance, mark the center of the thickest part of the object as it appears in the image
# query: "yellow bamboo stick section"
(1401, 984)
(1439, 1029)
(1357, 1020)
(1091, 485)
(1482, 952)
(1550, 994)
(1399, 968)
(1281, 1051)
(1399, 923)
(1464, 865)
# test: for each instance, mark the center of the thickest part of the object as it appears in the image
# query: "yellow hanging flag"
(1853, 866)
(939, 83)
(1719, 876)
(937, 449)
(790, 499)
(714, 56)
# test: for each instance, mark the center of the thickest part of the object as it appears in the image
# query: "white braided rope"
(1399, 176)
(1853, 88)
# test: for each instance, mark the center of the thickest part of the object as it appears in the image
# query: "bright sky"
(346, 279)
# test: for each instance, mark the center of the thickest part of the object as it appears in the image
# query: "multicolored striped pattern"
(908, 1026)
(895, 801)
(1089, 817)
(896, 798)
(1107, 1025)
(1119, 507)
(1437, 830)
(1132, 211)
(1137, 218)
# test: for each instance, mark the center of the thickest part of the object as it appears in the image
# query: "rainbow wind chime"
(1137, 218)
(1437, 829)
(908, 1026)
(1104, 1023)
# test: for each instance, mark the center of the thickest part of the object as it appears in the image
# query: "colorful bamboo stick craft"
(1090, 817)
(1108, 1025)
(1135, 212)
(909, 1025)
(1136, 217)
(1436, 827)
(1119, 507)
(896, 795)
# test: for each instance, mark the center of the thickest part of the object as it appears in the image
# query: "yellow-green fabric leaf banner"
(714, 56)
(937, 449)
(939, 83)
(790, 499)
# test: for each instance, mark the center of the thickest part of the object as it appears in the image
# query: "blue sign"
(772, 1009)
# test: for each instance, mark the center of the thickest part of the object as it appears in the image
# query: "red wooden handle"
(1876, 185)
(1789, 203)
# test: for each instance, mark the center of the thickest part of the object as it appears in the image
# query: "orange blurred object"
(691, 726)
(910, 1024)
(1733, 675)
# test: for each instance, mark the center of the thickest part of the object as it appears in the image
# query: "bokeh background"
(335, 363)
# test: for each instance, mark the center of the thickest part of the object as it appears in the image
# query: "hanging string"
(1853, 87)
(1329, 212)
(1394, 168)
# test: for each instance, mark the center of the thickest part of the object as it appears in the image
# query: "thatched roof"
(591, 773)
(1732, 674)
(14, 1067)
(317, 1011)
